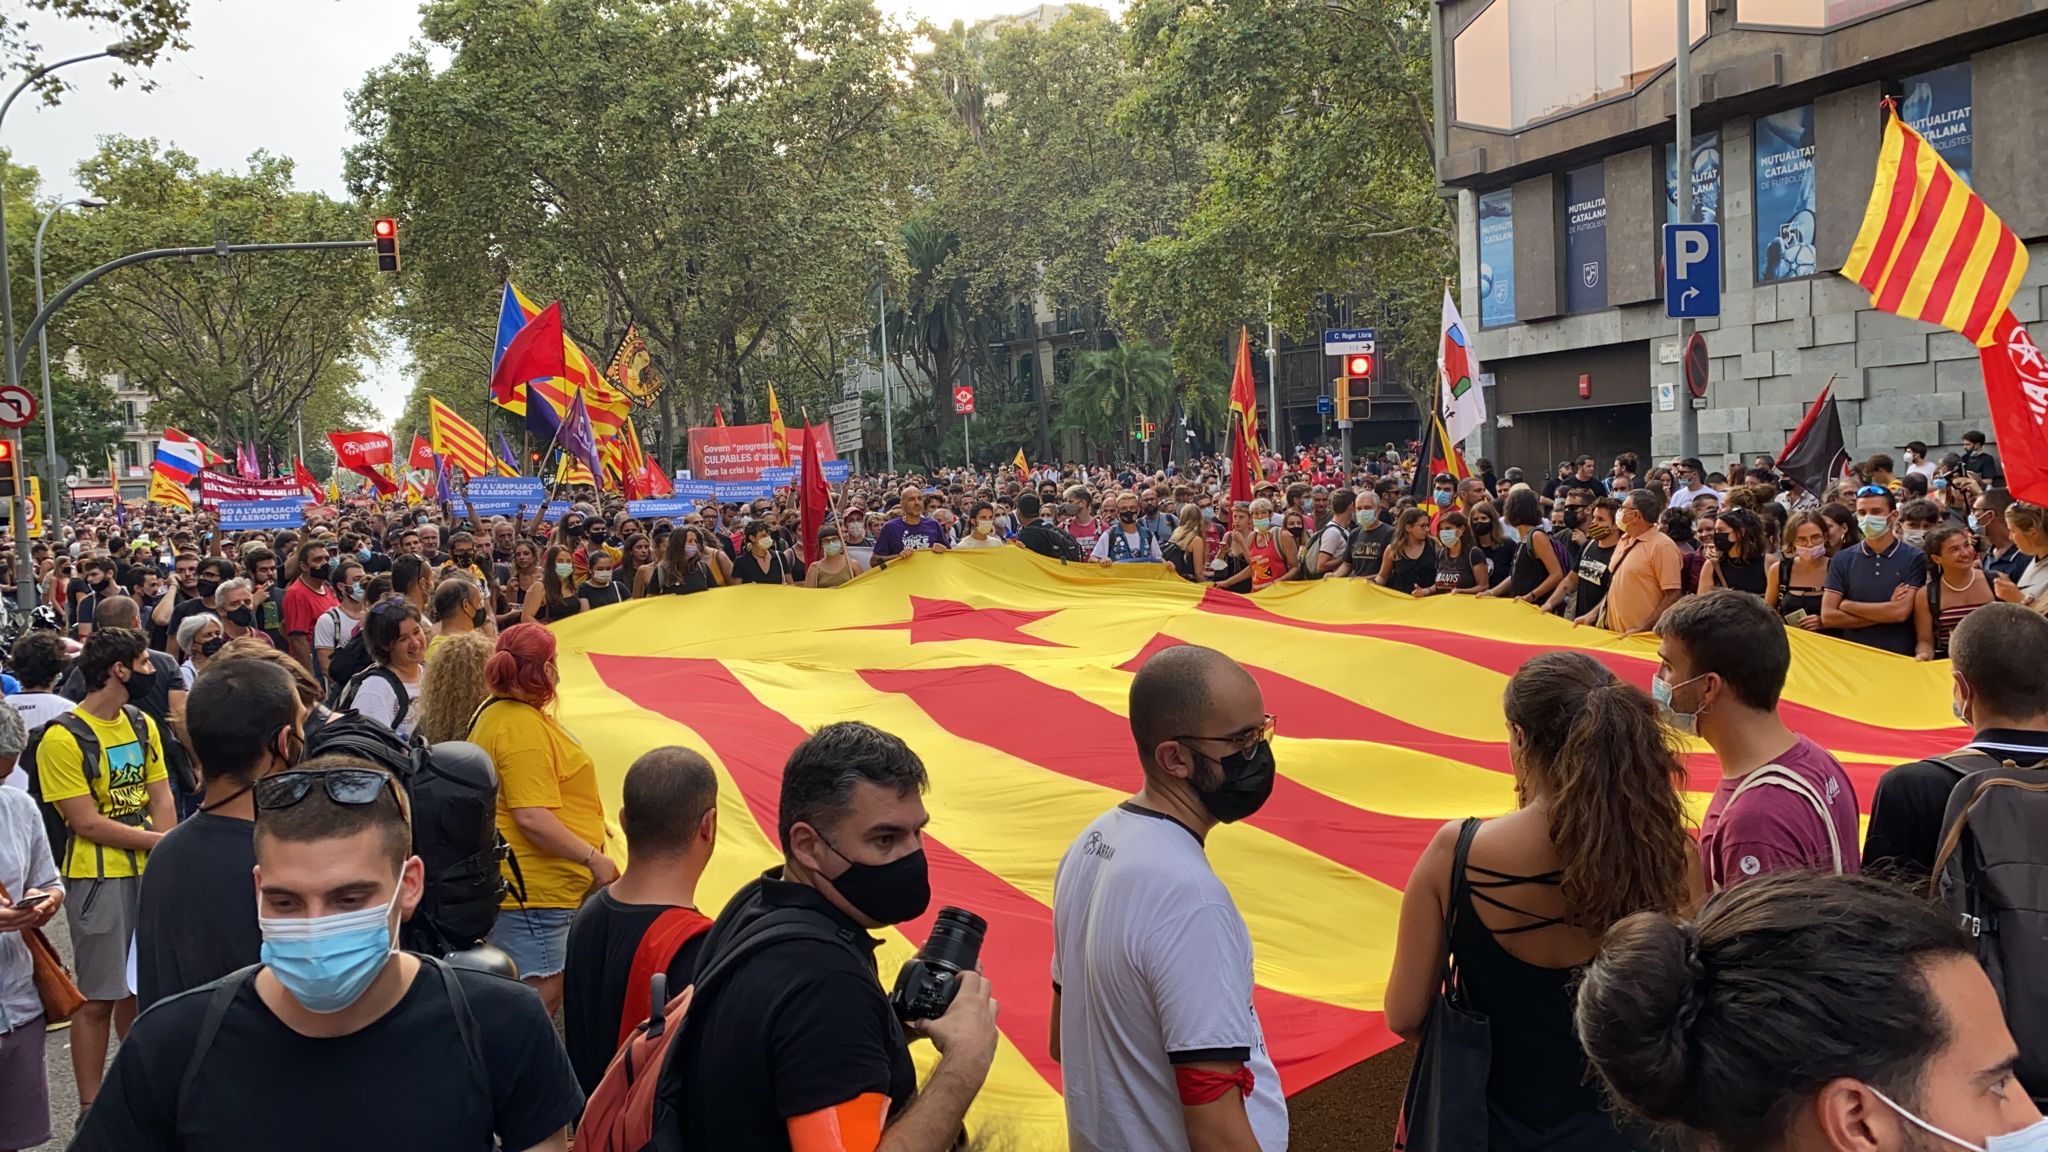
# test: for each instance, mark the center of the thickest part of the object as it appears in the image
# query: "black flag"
(1816, 454)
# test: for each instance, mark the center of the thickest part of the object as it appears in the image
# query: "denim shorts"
(537, 939)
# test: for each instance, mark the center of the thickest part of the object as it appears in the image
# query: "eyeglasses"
(1246, 740)
(1873, 490)
(352, 786)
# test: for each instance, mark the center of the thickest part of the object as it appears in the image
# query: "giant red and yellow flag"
(1370, 767)
(1930, 248)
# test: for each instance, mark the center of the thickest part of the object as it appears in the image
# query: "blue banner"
(1786, 211)
(1937, 106)
(835, 471)
(695, 491)
(734, 491)
(506, 495)
(1497, 258)
(675, 508)
(779, 477)
(1585, 239)
(236, 515)
(1706, 180)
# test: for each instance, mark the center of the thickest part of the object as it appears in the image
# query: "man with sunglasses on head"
(338, 1040)
(1870, 586)
(1152, 1017)
(198, 919)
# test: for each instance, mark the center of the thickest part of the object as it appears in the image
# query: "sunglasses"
(1873, 490)
(352, 786)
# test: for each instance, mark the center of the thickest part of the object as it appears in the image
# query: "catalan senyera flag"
(1022, 465)
(778, 435)
(569, 470)
(1370, 768)
(164, 489)
(457, 440)
(1930, 248)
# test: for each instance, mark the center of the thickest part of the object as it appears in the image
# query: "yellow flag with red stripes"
(777, 434)
(1370, 767)
(456, 439)
(1930, 248)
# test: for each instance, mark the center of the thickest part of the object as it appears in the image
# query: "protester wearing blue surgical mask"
(336, 1031)
(1871, 584)
(1371, 536)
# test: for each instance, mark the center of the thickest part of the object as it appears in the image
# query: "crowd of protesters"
(1764, 978)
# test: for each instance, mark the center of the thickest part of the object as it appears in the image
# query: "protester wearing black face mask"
(1148, 942)
(198, 917)
(811, 1012)
(211, 573)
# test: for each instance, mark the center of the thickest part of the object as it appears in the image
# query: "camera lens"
(955, 942)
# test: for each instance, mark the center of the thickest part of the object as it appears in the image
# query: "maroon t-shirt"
(1772, 828)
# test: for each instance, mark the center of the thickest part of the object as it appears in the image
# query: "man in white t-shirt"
(1127, 539)
(1152, 1018)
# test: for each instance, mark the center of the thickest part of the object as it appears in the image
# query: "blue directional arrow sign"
(1692, 271)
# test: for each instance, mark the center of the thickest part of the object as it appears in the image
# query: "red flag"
(718, 415)
(2016, 387)
(813, 496)
(536, 353)
(305, 478)
(1244, 411)
(422, 456)
(356, 451)
(657, 480)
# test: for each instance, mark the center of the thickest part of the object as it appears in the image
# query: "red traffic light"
(1358, 364)
(387, 227)
(385, 231)
(6, 451)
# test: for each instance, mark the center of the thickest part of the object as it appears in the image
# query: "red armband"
(1200, 1086)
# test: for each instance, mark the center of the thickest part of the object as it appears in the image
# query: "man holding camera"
(793, 1044)
(1152, 1014)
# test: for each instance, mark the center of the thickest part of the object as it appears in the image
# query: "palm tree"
(1115, 389)
(931, 321)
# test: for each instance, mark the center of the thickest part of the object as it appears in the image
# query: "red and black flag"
(1816, 452)
(1434, 459)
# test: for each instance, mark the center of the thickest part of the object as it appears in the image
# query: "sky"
(264, 74)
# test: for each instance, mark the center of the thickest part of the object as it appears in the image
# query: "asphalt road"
(57, 1056)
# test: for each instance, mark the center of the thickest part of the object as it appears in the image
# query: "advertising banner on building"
(1937, 106)
(1706, 180)
(1585, 239)
(217, 487)
(1497, 258)
(1785, 204)
(741, 451)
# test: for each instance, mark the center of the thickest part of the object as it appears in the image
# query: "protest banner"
(672, 507)
(734, 491)
(506, 495)
(216, 488)
(741, 451)
(239, 515)
(695, 491)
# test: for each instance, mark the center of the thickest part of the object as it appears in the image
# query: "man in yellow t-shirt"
(117, 808)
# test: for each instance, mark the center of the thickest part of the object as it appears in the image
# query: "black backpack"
(1989, 868)
(347, 662)
(347, 700)
(453, 790)
(1051, 541)
(54, 826)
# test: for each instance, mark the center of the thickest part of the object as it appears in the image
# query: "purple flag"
(506, 456)
(444, 489)
(578, 439)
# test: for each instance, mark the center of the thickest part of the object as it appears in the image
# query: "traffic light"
(8, 476)
(386, 233)
(1354, 400)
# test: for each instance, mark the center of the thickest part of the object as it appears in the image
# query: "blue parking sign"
(1692, 271)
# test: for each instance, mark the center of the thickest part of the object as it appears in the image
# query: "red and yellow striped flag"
(457, 439)
(777, 434)
(1930, 248)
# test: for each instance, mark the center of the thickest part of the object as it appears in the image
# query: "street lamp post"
(24, 576)
(43, 354)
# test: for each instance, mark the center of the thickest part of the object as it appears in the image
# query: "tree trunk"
(729, 352)
(1044, 405)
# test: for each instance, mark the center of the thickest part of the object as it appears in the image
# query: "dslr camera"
(928, 981)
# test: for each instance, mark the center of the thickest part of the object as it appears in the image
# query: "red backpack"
(634, 1108)
(664, 938)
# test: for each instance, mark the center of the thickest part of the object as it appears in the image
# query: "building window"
(1521, 61)
(1810, 14)
(129, 455)
(128, 414)
(1497, 258)
(1785, 205)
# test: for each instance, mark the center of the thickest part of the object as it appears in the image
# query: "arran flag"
(357, 451)
(1816, 453)
(535, 353)
(422, 455)
(1931, 249)
(1244, 409)
(1459, 396)
(813, 496)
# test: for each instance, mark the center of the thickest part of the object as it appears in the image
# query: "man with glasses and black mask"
(338, 1040)
(796, 1047)
(198, 919)
(1152, 1016)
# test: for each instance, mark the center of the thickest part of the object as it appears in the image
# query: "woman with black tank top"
(553, 597)
(1410, 562)
(690, 563)
(1600, 834)
(1733, 547)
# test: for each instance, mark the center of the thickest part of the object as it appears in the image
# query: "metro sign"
(963, 401)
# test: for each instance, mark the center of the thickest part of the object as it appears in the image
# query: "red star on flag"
(936, 621)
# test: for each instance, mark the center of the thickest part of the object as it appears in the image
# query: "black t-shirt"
(1906, 809)
(800, 1027)
(198, 916)
(748, 569)
(599, 595)
(1368, 545)
(1595, 564)
(403, 1083)
(602, 940)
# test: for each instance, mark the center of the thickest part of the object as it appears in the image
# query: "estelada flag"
(742, 675)
(165, 490)
(1244, 411)
(422, 455)
(1932, 249)
(777, 434)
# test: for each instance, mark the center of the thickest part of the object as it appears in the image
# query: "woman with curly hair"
(1521, 902)
(453, 685)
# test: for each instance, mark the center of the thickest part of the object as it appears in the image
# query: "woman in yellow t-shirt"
(548, 808)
